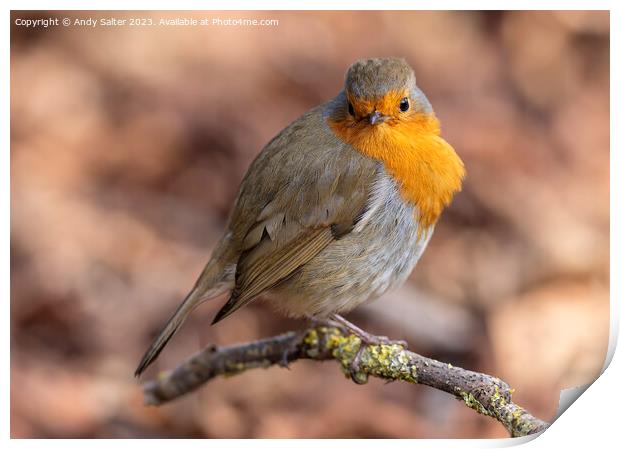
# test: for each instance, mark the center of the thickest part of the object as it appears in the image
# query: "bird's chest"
(393, 237)
(378, 254)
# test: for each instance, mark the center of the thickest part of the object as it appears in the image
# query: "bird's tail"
(212, 282)
(169, 330)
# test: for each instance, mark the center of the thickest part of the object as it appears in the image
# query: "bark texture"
(485, 394)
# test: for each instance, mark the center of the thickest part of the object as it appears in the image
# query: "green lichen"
(311, 340)
(521, 424)
(521, 427)
(344, 348)
(389, 362)
(498, 400)
(233, 368)
(386, 361)
(474, 403)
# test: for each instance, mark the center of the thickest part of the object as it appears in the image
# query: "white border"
(309, 5)
(591, 420)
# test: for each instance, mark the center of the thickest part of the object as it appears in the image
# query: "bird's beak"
(375, 117)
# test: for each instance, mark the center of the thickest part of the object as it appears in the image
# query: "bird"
(337, 208)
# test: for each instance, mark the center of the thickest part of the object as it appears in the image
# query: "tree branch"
(485, 394)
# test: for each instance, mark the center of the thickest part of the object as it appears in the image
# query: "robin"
(337, 208)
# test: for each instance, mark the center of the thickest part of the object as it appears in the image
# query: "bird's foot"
(329, 322)
(366, 339)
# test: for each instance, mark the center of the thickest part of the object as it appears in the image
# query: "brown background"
(128, 145)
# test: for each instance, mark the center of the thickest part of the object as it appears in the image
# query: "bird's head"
(384, 115)
(379, 91)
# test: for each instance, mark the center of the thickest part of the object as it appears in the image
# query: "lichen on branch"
(485, 394)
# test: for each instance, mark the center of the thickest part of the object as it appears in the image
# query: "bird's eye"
(351, 110)
(404, 104)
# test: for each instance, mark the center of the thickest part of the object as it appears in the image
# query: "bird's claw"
(364, 336)
(357, 375)
(327, 322)
(284, 363)
(383, 340)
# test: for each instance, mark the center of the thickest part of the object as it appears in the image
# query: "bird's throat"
(426, 167)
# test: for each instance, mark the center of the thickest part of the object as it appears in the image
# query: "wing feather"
(263, 273)
(304, 190)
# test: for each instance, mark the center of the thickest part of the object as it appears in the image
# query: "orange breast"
(426, 166)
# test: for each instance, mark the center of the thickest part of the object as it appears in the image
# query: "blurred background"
(128, 146)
